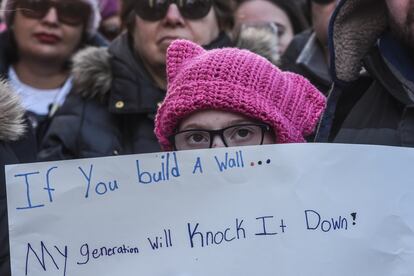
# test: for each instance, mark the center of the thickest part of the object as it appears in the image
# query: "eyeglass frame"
(220, 132)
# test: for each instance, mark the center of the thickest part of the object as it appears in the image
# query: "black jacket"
(372, 104)
(112, 108)
(13, 149)
(306, 57)
(7, 156)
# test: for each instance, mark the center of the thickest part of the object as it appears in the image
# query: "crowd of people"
(93, 78)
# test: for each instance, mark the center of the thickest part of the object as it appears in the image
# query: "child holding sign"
(231, 97)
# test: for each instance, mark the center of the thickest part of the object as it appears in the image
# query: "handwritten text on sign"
(333, 209)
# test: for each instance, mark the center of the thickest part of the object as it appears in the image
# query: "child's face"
(215, 128)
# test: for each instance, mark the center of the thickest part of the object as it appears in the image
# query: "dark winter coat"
(8, 55)
(12, 129)
(373, 104)
(112, 108)
(306, 57)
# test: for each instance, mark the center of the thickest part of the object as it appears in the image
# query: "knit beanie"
(108, 8)
(8, 7)
(238, 81)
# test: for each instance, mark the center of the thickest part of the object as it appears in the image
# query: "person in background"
(111, 25)
(2, 24)
(307, 54)
(231, 97)
(13, 138)
(287, 17)
(117, 91)
(372, 104)
(36, 49)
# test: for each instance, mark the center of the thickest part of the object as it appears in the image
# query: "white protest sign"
(304, 209)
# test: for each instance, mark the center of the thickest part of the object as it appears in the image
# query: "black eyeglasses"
(70, 12)
(232, 136)
(154, 10)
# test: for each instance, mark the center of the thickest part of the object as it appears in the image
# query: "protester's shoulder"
(11, 129)
(77, 110)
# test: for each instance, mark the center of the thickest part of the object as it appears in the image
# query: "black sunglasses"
(70, 12)
(154, 10)
(232, 136)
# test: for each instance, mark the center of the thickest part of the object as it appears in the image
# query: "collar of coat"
(312, 59)
(354, 28)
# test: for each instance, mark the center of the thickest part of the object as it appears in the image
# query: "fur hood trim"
(92, 74)
(261, 40)
(354, 28)
(12, 125)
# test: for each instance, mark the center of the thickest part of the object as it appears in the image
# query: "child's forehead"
(213, 119)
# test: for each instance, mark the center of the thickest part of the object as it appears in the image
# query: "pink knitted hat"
(238, 81)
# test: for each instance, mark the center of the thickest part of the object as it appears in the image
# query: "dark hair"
(11, 55)
(224, 10)
(292, 8)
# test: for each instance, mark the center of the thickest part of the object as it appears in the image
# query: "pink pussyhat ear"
(178, 53)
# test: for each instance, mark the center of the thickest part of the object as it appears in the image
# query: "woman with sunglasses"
(35, 50)
(230, 97)
(117, 91)
(41, 37)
